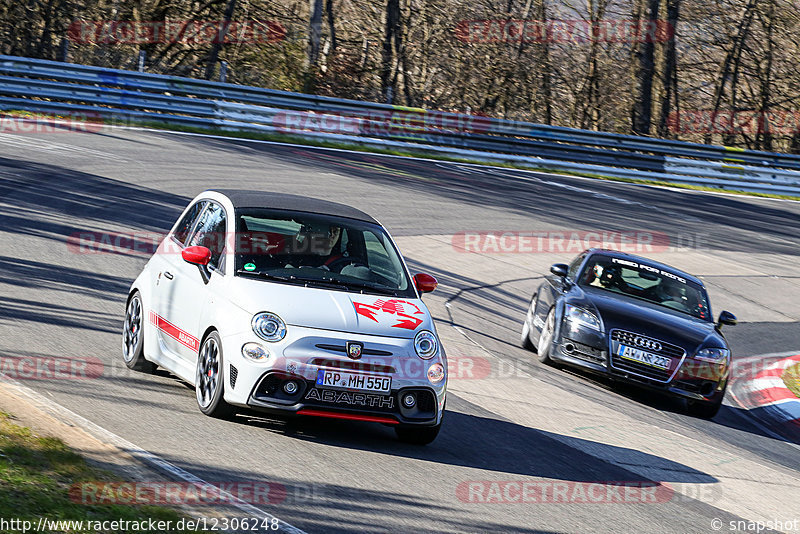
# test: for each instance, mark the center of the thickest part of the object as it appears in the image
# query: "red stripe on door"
(181, 336)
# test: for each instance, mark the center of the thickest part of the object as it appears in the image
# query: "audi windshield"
(646, 282)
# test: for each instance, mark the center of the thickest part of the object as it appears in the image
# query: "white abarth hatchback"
(292, 306)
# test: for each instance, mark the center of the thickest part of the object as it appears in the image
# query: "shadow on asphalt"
(479, 440)
(737, 223)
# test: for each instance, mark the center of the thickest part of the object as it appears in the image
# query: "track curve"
(509, 419)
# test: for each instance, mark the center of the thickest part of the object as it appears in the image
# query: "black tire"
(210, 379)
(417, 435)
(706, 409)
(545, 344)
(525, 335)
(133, 336)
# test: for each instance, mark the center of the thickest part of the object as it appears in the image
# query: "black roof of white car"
(243, 198)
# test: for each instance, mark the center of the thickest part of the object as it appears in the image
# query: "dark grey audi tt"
(634, 320)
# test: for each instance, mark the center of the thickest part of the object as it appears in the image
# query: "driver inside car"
(610, 277)
(668, 291)
(320, 247)
(314, 245)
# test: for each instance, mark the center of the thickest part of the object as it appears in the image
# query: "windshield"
(647, 283)
(319, 251)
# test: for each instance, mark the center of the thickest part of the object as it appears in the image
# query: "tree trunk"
(390, 39)
(643, 105)
(220, 39)
(732, 59)
(315, 34)
(546, 68)
(669, 75)
(764, 135)
(331, 25)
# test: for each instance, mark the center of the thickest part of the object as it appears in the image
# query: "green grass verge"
(36, 474)
(791, 377)
(304, 141)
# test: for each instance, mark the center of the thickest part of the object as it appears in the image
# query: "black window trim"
(208, 202)
(190, 233)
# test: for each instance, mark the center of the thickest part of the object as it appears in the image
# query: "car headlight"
(268, 327)
(712, 355)
(582, 317)
(254, 352)
(436, 373)
(425, 344)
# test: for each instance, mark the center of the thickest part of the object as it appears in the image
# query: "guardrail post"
(223, 71)
(63, 52)
(142, 56)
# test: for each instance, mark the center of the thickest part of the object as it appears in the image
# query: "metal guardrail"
(124, 96)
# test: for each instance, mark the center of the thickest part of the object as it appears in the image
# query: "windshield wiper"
(268, 276)
(324, 281)
(370, 287)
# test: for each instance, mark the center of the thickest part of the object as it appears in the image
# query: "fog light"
(254, 352)
(409, 400)
(436, 373)
(290, 387)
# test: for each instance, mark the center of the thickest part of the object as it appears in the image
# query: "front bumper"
(269, 396)
(588, 349)
(305, 351)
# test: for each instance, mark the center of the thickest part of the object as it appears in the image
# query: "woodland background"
(728, 73)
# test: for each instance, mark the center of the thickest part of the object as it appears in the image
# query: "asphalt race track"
(514, 421)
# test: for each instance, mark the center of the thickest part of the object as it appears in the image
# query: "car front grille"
(583, 352)
(426, 401)
(669, 350)
(234, 375)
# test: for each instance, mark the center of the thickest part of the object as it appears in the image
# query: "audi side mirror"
(726, 317)
(559, 269)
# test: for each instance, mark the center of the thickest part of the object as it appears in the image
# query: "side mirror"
(425, 283)
(559, 269)
(196, 255)
(726, 317)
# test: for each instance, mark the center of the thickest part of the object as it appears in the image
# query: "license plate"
(641, 356)
(356, 381)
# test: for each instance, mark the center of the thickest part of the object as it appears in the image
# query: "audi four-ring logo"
(647, 344)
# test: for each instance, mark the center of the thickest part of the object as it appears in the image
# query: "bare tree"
(643, 106)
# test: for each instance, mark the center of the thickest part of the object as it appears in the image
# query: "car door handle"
(168, 275)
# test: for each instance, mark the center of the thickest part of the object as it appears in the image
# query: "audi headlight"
(425, 344)
(269, 327)
(712, 355)
(582, 317)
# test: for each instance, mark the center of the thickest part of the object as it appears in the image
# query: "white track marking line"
(755, 422)
(760, 384)
(64, 414)
(30, 142)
